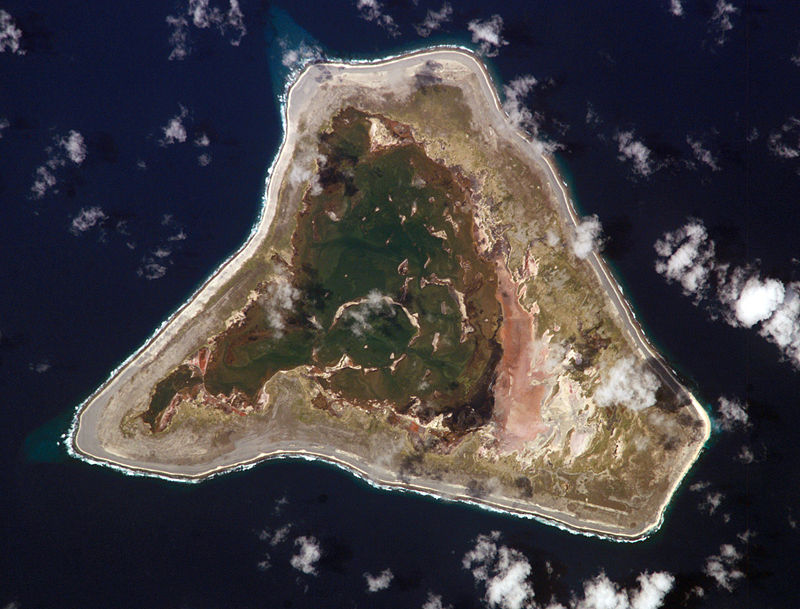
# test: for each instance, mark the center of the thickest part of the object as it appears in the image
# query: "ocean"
(662, 115)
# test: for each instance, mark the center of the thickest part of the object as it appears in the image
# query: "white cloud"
(4, 124)
(39, 367)
(503, 570)
(381, 581)
(746, 455)
(45, 180)
(175, 131)
(297, 58)
(204, 160)
(488, 34)
(795, 59)
(653, 587)
(202, 15)
(722, 567)
(702, 154)
(10, 34)
(722, 20)
(278, 300)
(676, 7)
(372, 10)
(514, 94)
(87, 218)
(434, 20)
(627, 385)
(359, 315)
(732, 414)
(785, 143)
(202, 140)
(151, 270)
(711, 502)
(434, 601)
(179, 38)
(276, 537)
(74, 146)
(686, 255)
(631, 149)
(592, 117)
(45, 177)
(783, 328)
(587, 236)
(602, 593)
(308, 555)
(179, 236)
(750, 298)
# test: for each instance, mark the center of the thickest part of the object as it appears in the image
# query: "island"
(412, 306)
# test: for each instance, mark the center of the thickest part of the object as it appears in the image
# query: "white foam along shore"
(84, 443)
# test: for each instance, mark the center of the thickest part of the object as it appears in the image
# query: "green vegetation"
(385, 272)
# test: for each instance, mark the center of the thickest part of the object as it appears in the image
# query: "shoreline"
(260, 231)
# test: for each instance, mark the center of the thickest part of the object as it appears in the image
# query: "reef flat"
(412, 306)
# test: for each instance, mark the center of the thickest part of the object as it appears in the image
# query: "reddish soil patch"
(518, 391)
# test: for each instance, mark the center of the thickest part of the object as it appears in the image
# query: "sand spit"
(95, 435)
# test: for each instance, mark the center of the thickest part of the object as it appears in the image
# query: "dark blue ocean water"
(73, 306)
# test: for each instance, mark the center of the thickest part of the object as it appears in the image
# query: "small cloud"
(277, 301)
(87, 218)
(732, 414)
(434, 20)
(74, 146)
(45, 180)
(628, 385)
(587, 236)
(434, 601)
(723, 567)
(676, 8)
(204, 160)
(751, 298)
(711, 502)
(40, 367)
(372, 10)
(722, 20)
(175, 131)
(514, 94)
(297, 58)
(746, 455)
(795, 59)
(785, 142)
(151, 269)
(179, 236)
(10, 34)
(686, 255)
(631, 149)
(45, 177)
(276, 537)
(4, 124)
(381, 581)
(600, 592)
(702, 154)
(592, 117)
(653, 588)
(201, 15)
(504, 572)
(179, 38)
(307, 556)
(358, 316)
(202, 140)
(488, 34)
